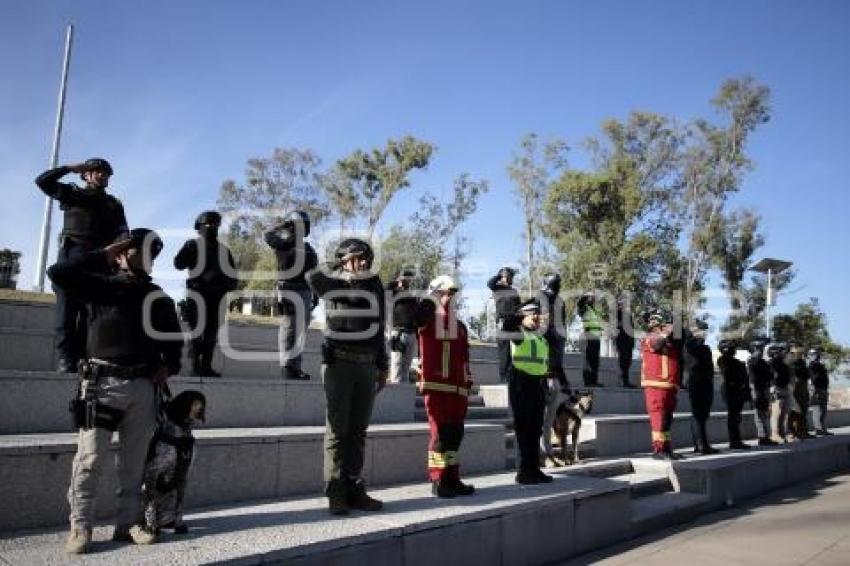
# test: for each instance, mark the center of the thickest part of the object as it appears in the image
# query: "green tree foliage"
(341, 195)
(612, 226)
(713, 166)
(273, 186)
(532, 172)
(378, 174)
(807, 326)
(432, 241)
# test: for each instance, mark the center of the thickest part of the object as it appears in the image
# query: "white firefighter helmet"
(442, 284)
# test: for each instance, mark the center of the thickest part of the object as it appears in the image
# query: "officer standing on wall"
(445, 383)
(660, 375)
(799, 412)
(820, 384)
(625, 340)
(760, 378)
(779, 391)
(527, 390)
(354, 368)
(403, 324)
(557, 386)
(507, 303)
(125, 364)
(92, 219)
(212, 274)
(736, 390)
(295, 257)
(700, 364)
(591, 338)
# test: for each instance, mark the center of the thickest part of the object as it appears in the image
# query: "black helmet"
(775, 349)
(351, 247)
(98, 164)
(208, 217)
(757, 346)
(654, 317)
(551, 283)
(299, 217)
(507, 271)
(142, 237)
(727, 347)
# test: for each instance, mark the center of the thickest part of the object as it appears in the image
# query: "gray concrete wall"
(230, 465)
(38, 402)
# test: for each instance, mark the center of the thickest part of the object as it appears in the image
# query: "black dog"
(168, 461)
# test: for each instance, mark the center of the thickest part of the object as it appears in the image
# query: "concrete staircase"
(254, 494)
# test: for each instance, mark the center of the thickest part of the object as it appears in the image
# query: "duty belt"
(102, 368)
(359, 357)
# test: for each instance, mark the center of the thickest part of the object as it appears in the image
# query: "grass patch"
(26, 296)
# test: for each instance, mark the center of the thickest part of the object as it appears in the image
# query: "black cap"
(208, 217)
(531, 306)
(351, 247)
(551, 283)
(142, 237)
(98, 164)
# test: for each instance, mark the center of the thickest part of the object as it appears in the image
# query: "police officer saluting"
(555, 335)
(760, 378)
(124, 365)
(799, 412)
(93, 219)
(820, 384)
(354, 368)
(527, 391)
(736, 390)
(403, 323)
(507, 304)
(591, 340)
(700, 364)
(295, 257)
(212, 275)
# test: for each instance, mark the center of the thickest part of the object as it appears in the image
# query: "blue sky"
(179, 94)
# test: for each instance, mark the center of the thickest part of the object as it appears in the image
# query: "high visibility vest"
(531, 356)
(592, 321)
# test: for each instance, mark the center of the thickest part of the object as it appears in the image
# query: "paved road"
(805, 524)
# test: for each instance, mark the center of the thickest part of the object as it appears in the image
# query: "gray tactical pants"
(400, 362)
(779, 412)
(136, 398)
(350, 393)
(293, 328)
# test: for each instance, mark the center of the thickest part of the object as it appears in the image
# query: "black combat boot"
(337, 498)
(360, 500)
(462, 488)
(442, 488)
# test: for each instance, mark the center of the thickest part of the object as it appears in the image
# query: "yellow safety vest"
(592, 321)
(531, 356)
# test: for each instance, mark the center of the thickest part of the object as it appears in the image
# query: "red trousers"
(660, 404)
(446, 412)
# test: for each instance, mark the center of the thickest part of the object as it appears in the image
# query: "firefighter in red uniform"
(660, 382)
(445, 382)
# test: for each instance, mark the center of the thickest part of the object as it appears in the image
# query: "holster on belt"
(86, 410)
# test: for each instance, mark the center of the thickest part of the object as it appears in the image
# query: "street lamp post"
(770, 267)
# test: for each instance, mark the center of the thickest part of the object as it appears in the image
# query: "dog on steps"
(567, 424)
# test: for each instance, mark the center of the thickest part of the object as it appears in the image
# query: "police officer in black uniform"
(507, 304)
(354, 368)
(700, 364)
(779, 391)
(736, 390)
(295, 257)
(212, 274)
(125, 362)
(557, 386)
(798, 418)
(93, 219)
(820, 397)
(760, 378)
(403, 324)
(625, 341)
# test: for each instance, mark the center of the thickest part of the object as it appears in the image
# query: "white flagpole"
(41, 264)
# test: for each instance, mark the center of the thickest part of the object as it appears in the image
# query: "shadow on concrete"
(784, 496)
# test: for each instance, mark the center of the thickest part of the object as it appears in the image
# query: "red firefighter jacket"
(660, 365)
(444, 355)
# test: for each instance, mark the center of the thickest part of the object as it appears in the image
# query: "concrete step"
(231, 465)
(661, 510)
(606, 400)
(37, 402)
(501, 524)
(472, 414)
(645, 485)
